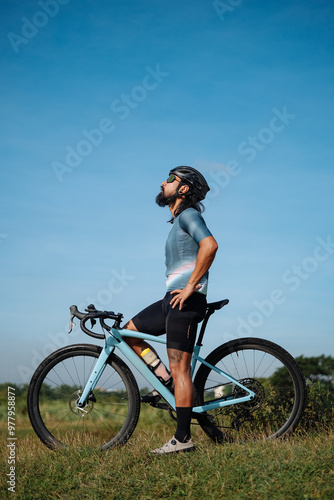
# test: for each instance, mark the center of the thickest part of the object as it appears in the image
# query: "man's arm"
(206, 254)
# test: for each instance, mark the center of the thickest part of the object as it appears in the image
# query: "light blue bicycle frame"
(115, 339)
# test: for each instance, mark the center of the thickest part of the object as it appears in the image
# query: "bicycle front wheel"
(111, 411)
(266, 369)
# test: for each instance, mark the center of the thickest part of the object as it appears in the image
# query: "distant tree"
(19, 389)
(317, 368)
(319, 374)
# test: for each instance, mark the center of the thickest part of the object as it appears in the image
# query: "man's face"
(168, 192)
(169, 188)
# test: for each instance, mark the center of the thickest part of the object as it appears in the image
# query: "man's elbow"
(211, 246)
(214, 247)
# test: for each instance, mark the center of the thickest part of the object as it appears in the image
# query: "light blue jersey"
(182, 246)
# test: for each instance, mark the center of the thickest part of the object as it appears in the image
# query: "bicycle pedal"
(160, 406)
(150, 398)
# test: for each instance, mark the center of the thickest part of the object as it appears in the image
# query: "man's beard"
(163, 200)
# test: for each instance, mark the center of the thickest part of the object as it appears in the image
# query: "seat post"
(211, 308)
(203, 327)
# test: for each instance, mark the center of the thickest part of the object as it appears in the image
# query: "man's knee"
(132, 342)
(179, 362)
(179, 371)
(178, 357)
(130, 326)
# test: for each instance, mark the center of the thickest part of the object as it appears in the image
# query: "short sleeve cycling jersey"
(181, 250)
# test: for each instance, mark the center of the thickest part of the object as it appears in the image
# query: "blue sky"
(100, 99)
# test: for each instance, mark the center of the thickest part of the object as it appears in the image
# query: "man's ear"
(184, 189)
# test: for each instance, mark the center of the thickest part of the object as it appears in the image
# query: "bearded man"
(190, 250)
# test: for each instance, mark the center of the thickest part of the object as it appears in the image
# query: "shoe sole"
(185, 450)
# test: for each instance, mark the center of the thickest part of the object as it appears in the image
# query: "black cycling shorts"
(179, 326)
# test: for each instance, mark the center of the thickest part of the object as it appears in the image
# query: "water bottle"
(157, 366)
(150, 357)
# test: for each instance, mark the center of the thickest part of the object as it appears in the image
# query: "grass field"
(301, 467)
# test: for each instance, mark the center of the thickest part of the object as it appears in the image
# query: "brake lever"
(72, 324)
(91, 309)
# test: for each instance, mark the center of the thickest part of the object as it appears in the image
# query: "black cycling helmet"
(194, 179)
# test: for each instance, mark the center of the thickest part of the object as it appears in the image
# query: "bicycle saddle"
(218, 305)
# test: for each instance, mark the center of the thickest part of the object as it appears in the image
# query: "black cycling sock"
(183, 416)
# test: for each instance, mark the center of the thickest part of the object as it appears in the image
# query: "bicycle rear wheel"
(110, 414)
(270, 372)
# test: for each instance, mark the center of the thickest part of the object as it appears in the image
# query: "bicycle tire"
(268, 370)
(110, 415)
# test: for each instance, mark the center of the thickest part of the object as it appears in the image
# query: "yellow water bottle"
(155, 363)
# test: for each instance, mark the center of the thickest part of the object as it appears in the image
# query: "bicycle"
(84, 394)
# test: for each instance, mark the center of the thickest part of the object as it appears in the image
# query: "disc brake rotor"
(77, 410)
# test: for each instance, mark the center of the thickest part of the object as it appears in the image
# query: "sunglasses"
(172, 178)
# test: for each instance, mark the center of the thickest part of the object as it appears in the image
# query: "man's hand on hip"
(181, 295)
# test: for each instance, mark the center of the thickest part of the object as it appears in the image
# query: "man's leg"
(136, 344)
(139, 346)
(149, 320)
(180, 367)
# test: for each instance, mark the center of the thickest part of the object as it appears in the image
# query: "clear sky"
(100, 99)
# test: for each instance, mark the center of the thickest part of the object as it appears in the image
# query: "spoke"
(70, 375)
(78, 423)
(76, 370)
(101, 421)
(111, 403)
(54, 410)
(109, 377)
(264, 373)
(54, 372)
(50, 389)
(62, 420)
(225, 369)
(259, 363)
(235, 366)
(84, 368)
(243, 355)
(103, 412)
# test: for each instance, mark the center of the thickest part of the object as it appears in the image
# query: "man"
(190, 251)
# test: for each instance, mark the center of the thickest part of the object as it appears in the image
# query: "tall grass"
(301, 467)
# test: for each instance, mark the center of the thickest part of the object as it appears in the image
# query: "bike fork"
(96, 373)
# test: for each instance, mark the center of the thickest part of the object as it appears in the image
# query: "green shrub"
(319, 408)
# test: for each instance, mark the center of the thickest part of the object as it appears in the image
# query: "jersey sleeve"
(193, 223)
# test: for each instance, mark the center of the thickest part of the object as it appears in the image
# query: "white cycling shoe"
(174, 446)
